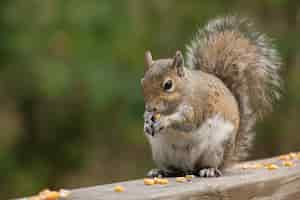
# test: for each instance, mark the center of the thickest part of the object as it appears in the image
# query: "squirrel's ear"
(148, 60)
(178, 63)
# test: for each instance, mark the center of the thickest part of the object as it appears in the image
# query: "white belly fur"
(183, 149)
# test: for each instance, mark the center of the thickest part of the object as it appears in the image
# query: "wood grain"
(236, 184)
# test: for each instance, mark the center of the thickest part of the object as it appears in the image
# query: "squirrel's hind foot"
(209, 172)
(155, 173)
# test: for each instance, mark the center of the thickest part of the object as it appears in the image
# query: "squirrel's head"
(162, 83)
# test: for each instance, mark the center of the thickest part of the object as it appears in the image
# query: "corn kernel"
(288, 163)
(161, 181)
(119, 188)
(47, 194)
(156, 180)
(284, 157)
(258, 166)
(189, 177)
(157, 116)
(149, 181)
(44, 192)
(271, 166)
(180, 179)
(53, 195)
(293, 155)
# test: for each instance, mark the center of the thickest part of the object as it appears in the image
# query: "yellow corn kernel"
(119, 188)
(284, 157)
(180, 179)
(157, 116)
(161, 181)
(189, 177)
(271, 166)
(258, 166)
(53, 195)
(149, 181)
(48, 195)
(293, 155)
(156, 180)
(44, 192)
(288, 163)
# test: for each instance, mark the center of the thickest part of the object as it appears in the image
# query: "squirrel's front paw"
(155, 124)
(159, 125)
(148, 129)
(153, 128)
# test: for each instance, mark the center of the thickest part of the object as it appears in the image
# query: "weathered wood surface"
(236, 184)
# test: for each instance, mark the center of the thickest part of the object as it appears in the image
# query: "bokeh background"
(71, 105)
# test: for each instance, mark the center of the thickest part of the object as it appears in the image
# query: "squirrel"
(200, 112)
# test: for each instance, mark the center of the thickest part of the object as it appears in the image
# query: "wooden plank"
(236, 184)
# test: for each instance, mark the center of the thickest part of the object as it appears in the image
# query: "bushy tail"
(246, 62)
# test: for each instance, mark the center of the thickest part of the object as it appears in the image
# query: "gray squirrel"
(200, 112)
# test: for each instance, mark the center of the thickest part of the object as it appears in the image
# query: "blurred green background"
(71, 105)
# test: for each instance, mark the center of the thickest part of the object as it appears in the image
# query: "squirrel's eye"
(168, 85)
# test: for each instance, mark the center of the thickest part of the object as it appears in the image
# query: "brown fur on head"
(162, 83)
